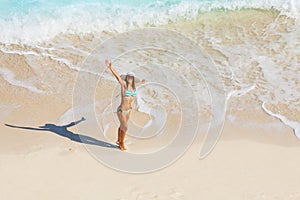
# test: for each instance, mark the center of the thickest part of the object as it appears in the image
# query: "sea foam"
(27, 22)
(293, 124)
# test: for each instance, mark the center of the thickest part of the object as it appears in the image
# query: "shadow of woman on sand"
(64, 132)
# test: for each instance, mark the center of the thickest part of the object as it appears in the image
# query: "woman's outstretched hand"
(108, 63)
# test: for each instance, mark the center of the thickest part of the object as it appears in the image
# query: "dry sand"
(250, 162)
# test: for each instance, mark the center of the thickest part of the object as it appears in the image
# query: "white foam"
(19, 52)
(240, 92)
(293, 124)
(44, 23)
(64, 61)
(10, 78)
(52, 56)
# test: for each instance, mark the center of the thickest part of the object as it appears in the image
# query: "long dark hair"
(133, 82)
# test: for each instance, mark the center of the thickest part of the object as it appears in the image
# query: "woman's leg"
(122, 130)
(123, 121)
(119, 114)
(128, 116)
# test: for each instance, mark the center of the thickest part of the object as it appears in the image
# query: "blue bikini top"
(128, 93)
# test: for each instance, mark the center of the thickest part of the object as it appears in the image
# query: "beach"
(247, 163)
(58, 123)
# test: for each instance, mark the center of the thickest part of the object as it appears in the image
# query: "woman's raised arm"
(109, 65)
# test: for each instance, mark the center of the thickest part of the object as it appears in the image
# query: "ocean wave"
(39, 20)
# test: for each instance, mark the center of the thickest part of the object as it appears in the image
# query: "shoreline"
(244, 120)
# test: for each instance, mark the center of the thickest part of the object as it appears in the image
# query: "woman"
(128, 92)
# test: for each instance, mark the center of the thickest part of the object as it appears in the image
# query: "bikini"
(128, 93)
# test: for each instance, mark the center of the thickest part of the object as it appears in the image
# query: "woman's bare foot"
(122, 147)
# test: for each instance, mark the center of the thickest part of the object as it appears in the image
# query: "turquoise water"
(11, 7)
(26, 20)
(21, 8)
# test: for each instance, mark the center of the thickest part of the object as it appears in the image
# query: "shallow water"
(255, 47)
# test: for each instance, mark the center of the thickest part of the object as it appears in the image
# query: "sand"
(249, 162)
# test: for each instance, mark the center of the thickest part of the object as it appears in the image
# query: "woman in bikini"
(128, 92)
